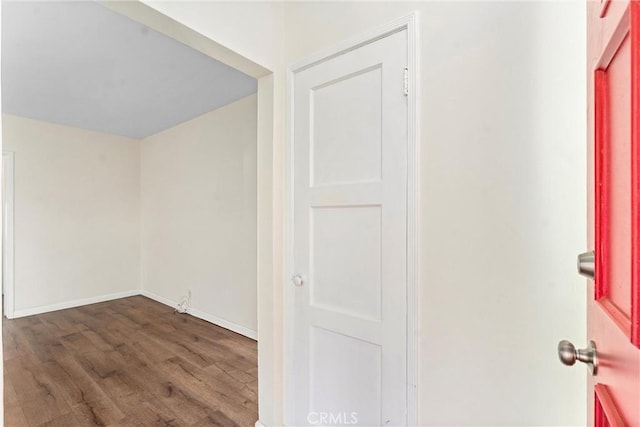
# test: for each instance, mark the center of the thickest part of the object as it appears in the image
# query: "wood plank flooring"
(127, 362)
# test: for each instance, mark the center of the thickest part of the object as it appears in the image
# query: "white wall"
(82, 199)
(77, 206)
(78, 211)
(252, 29)
(503, 200)
(199, 214)
(503, 194)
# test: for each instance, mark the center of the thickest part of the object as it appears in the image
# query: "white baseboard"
(259, 424)
(158, 298)
(75, 303)
(205, 316)
(102, 298)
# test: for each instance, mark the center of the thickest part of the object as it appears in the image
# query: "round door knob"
(568, 355)
(297, 280)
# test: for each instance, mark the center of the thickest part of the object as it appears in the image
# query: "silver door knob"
(568, 355)
(297, 280)
(586, 264)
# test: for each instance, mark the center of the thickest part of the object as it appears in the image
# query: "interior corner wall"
(77, 206)
(198, 187)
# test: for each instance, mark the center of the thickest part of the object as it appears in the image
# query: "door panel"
(358, 97)
(606, 412)
(346, 244)
(619, 185)
(358, 360)
(350, 236)
(613, 310)
(614, 179)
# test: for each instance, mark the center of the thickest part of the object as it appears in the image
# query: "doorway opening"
(264, 142)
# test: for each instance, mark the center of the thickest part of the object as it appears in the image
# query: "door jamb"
(8, 280)
(410, 23)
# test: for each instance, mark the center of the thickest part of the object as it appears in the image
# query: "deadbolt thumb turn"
(586, 264)
(568, 355)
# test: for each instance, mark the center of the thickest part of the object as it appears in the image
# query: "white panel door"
(350, 237)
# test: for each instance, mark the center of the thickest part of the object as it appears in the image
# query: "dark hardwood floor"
(128, 362)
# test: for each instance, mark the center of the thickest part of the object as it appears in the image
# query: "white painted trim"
(259, 424)
(74, 303)
(288, 316)
(8, 251)
(270, 395)
(413, 217)
(411, 24)
(249, 333)
(354, 43)
(289, 298)
(158, 298)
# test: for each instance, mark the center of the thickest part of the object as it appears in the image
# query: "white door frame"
(8, 281)
(410, 24)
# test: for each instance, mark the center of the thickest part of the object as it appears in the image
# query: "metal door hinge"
(406, 81)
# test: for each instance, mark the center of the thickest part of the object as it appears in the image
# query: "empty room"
(130, 224)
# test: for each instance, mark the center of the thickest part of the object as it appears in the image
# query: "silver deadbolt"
(297, 280)
(586, 264)
(568, 355)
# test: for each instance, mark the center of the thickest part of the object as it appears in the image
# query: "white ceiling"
(81, 64)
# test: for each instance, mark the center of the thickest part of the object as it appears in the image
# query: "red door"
(613, 29)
